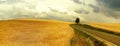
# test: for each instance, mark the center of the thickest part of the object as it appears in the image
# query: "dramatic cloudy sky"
(64, 10)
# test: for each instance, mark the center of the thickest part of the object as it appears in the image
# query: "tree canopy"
(77, 20)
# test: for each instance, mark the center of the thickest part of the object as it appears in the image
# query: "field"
(27, 32)
(113, 27)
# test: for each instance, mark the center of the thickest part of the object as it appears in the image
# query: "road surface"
(106, 36)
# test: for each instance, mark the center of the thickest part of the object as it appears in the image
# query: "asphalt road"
(106, 36)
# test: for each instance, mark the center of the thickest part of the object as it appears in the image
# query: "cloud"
(95, 8)
(110, 8)
(32, 9)
(82, 2)
(113, 4)
(114, 14)
(11, 1)
(77, 1)
(64, 10)
(82, 11)
(2, 1)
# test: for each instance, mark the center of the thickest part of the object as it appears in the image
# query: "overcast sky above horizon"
(64, 10)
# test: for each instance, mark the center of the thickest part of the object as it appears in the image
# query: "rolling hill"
(113, 27)
(32, 32)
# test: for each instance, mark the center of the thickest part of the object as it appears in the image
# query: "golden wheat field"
(114, 27)
(29, 32)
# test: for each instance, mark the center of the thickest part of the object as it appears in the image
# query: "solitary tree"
(77, 20)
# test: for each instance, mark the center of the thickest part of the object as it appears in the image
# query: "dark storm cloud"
(13, 1)
(1, 1)
(57, 15)
(23, 16)
(54, 10)
(82, 11)
(52, 17)
(111, 7)
(112, 14)
(95, 8)
(113, 4)
(77, 1)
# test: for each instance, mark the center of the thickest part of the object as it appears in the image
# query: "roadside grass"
(98, 29)
(86, 39)
(79, 39)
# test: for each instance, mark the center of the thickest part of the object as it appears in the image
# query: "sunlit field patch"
(114, 27)
(35, 33)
